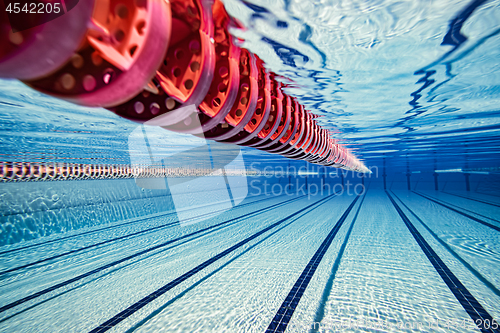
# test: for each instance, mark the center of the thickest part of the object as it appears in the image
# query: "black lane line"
(108, 241)
(494, 227)
(119, 261)
(200, 281)
(481, 318)
(136, 220)
(468, 210)
(448, 247)
(490, 194)
(110, 323)
(481, 201)
(286, 310)
(66, 291)
(320, 312)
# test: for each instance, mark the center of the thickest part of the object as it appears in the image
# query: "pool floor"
(390, 261)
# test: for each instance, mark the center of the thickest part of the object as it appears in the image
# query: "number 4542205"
(34, 8)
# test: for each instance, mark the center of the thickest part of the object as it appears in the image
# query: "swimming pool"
(225, 238)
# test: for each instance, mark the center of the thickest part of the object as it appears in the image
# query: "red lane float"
(122, 48)
(172, 64)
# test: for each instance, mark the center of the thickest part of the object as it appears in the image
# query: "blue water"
(412, 87)
(395, 78)
(386, 75)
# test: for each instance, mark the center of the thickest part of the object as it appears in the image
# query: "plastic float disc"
(117, 60)
(297, 149)
(323, 160)
(314, 139)
(36, 52)
(339, 158)
(194, 80)
(291, 131)
(283, 128)
(262, 109)
(334, 153)
(223, 89)
(299, 133)
(315, 153)
(300, 136)
(318, 154)
(243, 110)
(184, 74)
(327, 153)
(284, 124)
(274, 118)
(188, 70)
(188, 67)
(316, 142)
(300, 150)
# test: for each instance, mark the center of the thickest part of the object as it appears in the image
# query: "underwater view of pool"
(108, 224)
